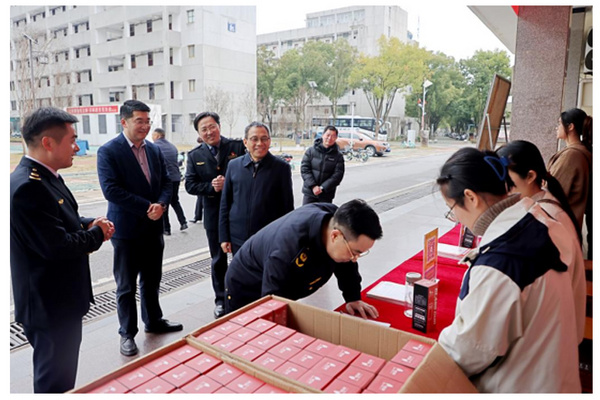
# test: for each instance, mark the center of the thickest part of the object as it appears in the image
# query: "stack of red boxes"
(260, 335)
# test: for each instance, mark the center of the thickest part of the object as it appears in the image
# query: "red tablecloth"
(450, 275)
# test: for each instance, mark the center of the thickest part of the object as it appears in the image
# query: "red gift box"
(155, 385)
(340, 387)
(320, 347)
(291, 370)
(306, 359)
(244, 334)
(279, 309)
(184, 353)
(343, 354)
(180, 375)
(329, 367)
(227, 328)
(315, 379)
(396, 372)
(383, 384)
(162, 364)
(356, 377)
(111, 387)
(264, 342)
(269, 361)
(211, 336)
(407, 358)
(202, 384)
(203, 363)
(261, 325)
(417, 347)
(248, 352)
(284, 351)
(224, 373)
(224, 389)
(300, 340)
(266, 388)
(262, 312)
(280, 332)
(228, 344)
(368, 362)
(245, 384)
(135, 378)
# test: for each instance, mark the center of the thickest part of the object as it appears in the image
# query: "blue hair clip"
(493, 161)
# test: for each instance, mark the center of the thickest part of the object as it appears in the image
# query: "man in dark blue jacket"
(258, 190)
(295, 255)
(134, 180)
(170, 154)
(49, 247)
(205, 176)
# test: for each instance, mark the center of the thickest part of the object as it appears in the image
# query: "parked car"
(362, 141)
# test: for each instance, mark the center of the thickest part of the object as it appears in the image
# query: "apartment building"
(361, 26)
(181, 60)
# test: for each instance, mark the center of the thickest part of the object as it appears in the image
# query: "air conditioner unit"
(587, 60)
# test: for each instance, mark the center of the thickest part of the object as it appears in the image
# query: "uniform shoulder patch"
(301, 258)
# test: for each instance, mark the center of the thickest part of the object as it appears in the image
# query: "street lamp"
(313, 85)
(426, 84)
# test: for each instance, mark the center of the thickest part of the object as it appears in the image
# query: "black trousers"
(198, 210)
(55, 355)
(218, 265)
(176, 207)
(323, 198)
(141, 257)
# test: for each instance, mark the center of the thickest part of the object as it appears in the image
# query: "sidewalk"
(403, 231)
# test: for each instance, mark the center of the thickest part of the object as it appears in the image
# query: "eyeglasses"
(353, 255)
(142, 122)
(211, 127)
(450, 214)
(263, 139)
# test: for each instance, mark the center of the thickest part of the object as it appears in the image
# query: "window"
(149, 26)
(85, 119)
(172, 89)
(132, 30)
(150, 59)
(192, 117)
(134, 92)
(171, 56)
(118, 125)
(190, 16)
(176, 123)
(192, 85)
(102, 123)
(133, 61)
(191, 51)
(170, 22)
(151, 91)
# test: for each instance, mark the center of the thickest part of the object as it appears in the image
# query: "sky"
(447, 26)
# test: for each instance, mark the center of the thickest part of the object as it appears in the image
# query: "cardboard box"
(437, 373)
(425, 305)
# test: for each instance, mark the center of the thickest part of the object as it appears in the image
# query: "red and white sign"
(113, 109)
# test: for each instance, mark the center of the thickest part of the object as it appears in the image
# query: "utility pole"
(31, 42)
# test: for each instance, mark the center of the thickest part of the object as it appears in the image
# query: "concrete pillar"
(540, 69)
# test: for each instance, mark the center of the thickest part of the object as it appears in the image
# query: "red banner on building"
(113, 109)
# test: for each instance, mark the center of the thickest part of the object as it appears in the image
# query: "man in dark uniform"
(295, 255)
(49, 247)
(205, 176)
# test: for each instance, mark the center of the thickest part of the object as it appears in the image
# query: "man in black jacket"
(205, 176)
(49, 247)
(170, 154)
(322, 168)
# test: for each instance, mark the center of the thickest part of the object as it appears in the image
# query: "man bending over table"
(296, 254)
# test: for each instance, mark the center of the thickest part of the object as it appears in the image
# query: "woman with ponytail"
(572, 166)
(528, 176)
(515, 327)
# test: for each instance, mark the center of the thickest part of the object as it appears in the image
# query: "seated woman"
(515, 327)
(527, 173)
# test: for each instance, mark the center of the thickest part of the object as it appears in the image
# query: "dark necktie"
(215, 152)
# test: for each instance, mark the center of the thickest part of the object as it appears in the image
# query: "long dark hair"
(470, 168)
(524, 156)
(582, 123)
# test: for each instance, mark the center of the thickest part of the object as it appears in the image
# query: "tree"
(479, 72)
(301, 71)
(248, 104)
(341, 60)
(397, 67)
(267, 71)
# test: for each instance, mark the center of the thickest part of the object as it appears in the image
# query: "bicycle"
(359, 154)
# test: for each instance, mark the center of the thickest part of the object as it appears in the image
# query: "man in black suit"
(134, 180)
(49, 247)
(205, 176)
(170, 154)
